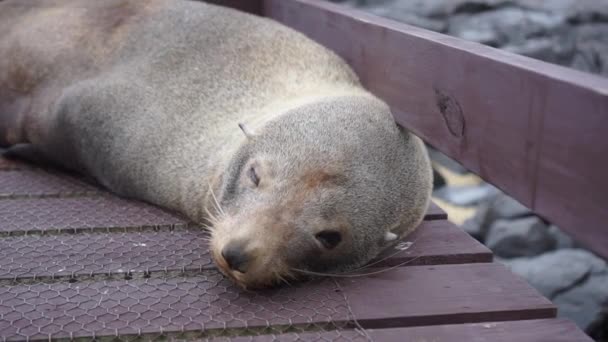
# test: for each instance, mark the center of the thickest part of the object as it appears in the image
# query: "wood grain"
(433, 243)
(538, 330)
(542, 330)
(429, 295)
(535, 130)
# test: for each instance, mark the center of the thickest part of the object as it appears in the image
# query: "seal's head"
(318, 189)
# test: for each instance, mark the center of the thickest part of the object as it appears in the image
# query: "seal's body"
(147, 98)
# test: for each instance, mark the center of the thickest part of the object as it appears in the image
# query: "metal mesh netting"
(35, 183)
(205, 305)
(69, 214)
(119, 254)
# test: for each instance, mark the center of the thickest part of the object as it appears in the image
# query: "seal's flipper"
(27, 153)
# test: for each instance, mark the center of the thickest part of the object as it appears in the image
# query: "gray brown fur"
(146, 97)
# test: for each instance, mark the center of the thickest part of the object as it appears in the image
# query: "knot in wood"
(451, 111)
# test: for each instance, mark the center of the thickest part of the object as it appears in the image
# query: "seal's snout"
(236, 257)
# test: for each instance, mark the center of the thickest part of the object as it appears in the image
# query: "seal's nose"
(235, 256)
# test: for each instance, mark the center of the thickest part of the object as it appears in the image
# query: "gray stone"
(557, 48)
(504, 206)
(466, 195)
(573, 10)
(574, 279)
(477, 226)
(438, 180)
(558, 271)
(407, 17)
(582, 304)
(591, 49)
(445, 161)
(562, 240)
(504, 26)
(438, 8)
(494, 206)
(522, 237)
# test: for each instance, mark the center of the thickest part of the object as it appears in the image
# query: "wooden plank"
(124, 254)
(135, 254)
(547, 330)
(69, 215)
(429, 295)
(433, 243)
(435, 213)
(210, 301)
(38, 183)
(533, 129)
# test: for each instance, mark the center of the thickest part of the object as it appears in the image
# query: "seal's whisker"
(383, 259)
(219, 207)
(282, 279)
(210, 228)
(345, 275)
(211, 218)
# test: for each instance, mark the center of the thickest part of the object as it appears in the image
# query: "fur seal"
(229, 118)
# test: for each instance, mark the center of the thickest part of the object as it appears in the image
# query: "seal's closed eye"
(253, 176)
(329, 238)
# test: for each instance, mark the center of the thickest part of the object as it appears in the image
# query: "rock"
(522, 237)
(574, 279)
(582, 304)
(557, 49)
(575, 11)
(591, 49)
(504, 206)
(439, 9)
(562, 240)
(477, 226)
(446, 161)
(503, 26)
(409, 18)
(495, 206)
(557, 271)
(438, 180)
(467, 195)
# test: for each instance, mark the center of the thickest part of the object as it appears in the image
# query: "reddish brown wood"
(541, 330)
(436, 242)
(210, 301)
(24, 257)
(38, 183)
(435, 213)
(535, 130)
(428, 295)
(547, 330)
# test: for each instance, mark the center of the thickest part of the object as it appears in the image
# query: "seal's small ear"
(248, 133)
(389, 236)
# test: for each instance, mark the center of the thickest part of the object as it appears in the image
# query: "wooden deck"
(78, 262)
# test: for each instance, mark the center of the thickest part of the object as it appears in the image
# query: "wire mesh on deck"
(36, 183)
(180, 307)
(69, 214)
(52, 256)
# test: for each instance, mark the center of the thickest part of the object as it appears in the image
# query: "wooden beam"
(537, 131)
